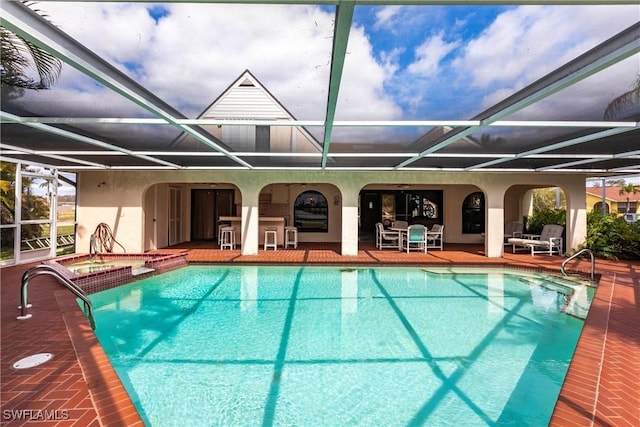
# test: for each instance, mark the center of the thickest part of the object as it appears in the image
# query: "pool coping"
(111, 400)
(115, 407)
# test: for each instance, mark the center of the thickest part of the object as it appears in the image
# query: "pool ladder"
(46, 269)
(580, 252)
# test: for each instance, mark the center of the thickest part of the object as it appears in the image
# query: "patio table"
(402, 232)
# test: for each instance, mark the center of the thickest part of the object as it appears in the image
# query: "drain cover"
(33, 360)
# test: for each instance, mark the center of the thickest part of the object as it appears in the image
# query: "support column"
(350, 199)
(494, 222)
(576, 228)
(248, 232)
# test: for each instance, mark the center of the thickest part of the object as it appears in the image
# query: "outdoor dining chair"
(434, 237)
(386, 238)
(416, 238)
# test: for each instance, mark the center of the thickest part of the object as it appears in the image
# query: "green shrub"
(611, 237)
(536, 222)
(608, 236)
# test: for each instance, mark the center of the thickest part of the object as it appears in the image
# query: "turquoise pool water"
(322, 346)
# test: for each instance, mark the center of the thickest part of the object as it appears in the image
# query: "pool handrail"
(46, 269)
(580, 252)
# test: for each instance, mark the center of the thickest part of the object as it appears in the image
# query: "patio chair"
(512, 229)
(548, 241)
(416, 237)
(434, 237)
(386, 238)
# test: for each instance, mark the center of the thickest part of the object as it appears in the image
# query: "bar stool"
(291, 236)
(228, 238)
(271, 238)
(221, 225)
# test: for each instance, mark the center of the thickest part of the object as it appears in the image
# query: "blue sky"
(399, 31)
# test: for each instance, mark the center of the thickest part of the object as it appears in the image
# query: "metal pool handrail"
(580, 252)
(46, 269)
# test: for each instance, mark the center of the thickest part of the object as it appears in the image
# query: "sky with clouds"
(402, 63)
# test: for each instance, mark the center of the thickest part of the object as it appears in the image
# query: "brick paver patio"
(78, 386)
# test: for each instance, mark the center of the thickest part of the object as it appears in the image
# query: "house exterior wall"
(592, 200)
(454, 196)
(126, 206)
(615, 198)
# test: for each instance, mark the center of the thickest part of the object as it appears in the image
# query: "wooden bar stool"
(291, 236)
(271, 238)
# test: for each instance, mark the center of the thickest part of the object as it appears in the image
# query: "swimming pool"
(213, 345)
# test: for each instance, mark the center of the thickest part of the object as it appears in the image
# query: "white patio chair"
(434, 237)
(386, 238)
(512, 229)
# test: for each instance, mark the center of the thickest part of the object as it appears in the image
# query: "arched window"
(311, 212)
(598, 208)
(473, 213)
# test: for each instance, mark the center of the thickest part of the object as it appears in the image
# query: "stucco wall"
(593, 200)
(122, 202)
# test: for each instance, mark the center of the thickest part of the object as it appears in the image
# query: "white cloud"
(385, 15)
(195, 52)
(429, 55)
(588, 98)
(528, 42)
(362, 95)
(119, 31)
(191, 55)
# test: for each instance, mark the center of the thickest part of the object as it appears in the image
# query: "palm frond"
(20, 57)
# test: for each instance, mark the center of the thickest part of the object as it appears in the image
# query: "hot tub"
(104, 271)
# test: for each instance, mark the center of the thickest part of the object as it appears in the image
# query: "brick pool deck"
(78, 386)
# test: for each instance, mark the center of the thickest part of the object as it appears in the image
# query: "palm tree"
(629, 189)
(18, 56)
(624, 101)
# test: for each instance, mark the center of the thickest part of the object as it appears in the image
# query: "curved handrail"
(46, 269)
(580, 252)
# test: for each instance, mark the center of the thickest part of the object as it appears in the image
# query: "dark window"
(419, 207)
(473, 213)
(598, 208)
(622, 207)
(311, 212)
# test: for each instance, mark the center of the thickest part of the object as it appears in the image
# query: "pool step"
(141, 270)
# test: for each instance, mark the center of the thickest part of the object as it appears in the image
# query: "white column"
(248, 233)
(494, 233)
(576, 229)
(350, 222)
(494, 222)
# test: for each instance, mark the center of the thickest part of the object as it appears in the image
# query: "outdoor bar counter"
(263, 221)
